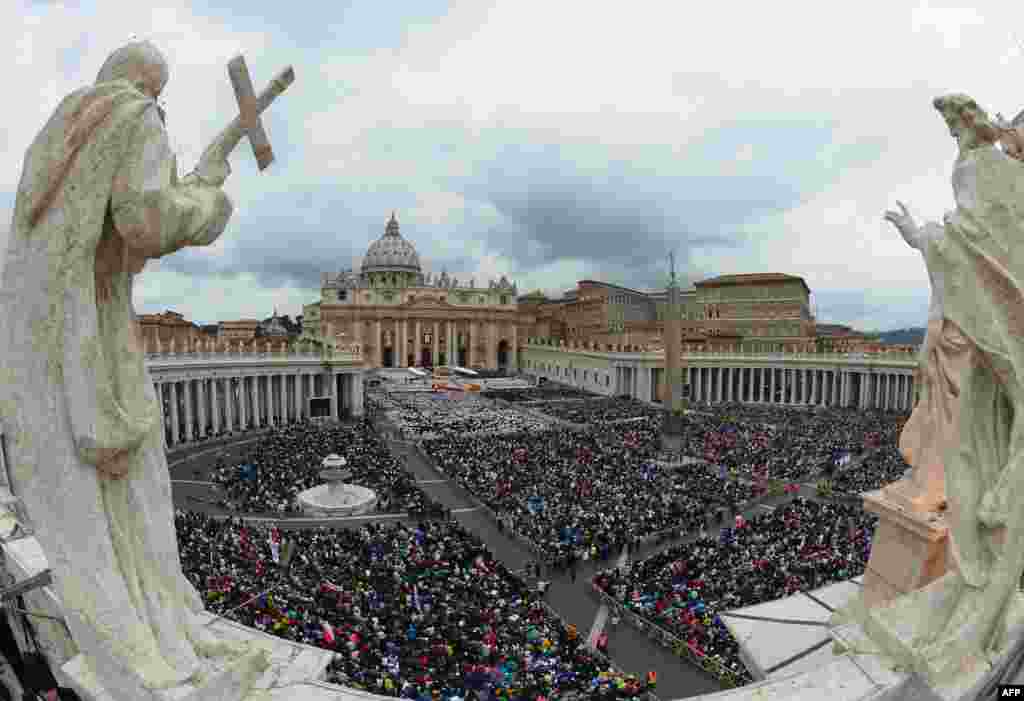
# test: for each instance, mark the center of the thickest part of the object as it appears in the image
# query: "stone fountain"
(337, 497)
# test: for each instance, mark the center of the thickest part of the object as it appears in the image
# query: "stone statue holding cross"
(98, 197)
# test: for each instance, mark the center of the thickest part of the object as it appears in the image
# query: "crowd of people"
(426, 415)
(797, 547)
(565, 489)
(784, 443)
(596, 410)
(538, 394)
(287, 460)
(412, 610)
(878, 468)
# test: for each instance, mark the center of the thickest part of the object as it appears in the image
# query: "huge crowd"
(783, 443)
(565, 489)
(288, 460)
(798, 547)
(422, 610)
(423, 415)
(596, 410)
(415, 610)
(878, 468)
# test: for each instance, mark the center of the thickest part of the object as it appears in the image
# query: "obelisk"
(672, 426)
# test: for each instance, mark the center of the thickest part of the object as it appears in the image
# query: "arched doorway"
(442, 359)
(462, 358)
(425, 361)
(389, 357)
(503, 355)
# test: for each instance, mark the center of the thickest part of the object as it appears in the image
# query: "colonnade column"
(175, 433)
(159, 388)
(229, 397)
(333, 379)
(215, 405)
(188, 411)
(201, 396)
(357, 394)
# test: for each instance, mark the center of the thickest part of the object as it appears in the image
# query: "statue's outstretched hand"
(213, 170)
(904, 223)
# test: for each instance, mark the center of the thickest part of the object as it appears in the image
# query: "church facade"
(402, 317)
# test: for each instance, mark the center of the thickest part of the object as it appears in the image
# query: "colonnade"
(888, 390)
(198, 405)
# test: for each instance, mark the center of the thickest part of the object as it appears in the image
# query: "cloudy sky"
(549, 141)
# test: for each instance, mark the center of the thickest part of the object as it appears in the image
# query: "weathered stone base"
(907, 553)
(292, 668)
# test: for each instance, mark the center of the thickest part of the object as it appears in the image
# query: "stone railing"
(910, 359)
(351, 353)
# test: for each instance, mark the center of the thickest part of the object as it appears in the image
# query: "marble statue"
(952, 629)
(934, 422)
(98, 197)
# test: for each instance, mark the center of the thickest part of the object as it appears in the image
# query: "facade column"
(175, 434)
(296, 391)
(700, 384)
(492, 345)
(771, 385)
(403, 344)
(450, 354)
(417, 345)
(378, 344)
(513, 361)
(837, 390)
(435, 345)
(357, 333)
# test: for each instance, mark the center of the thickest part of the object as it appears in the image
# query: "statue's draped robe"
(982, 259)
(73, 379)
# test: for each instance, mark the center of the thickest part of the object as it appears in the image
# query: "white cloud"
(572, 72)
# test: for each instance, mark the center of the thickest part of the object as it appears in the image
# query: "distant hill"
(914, 336)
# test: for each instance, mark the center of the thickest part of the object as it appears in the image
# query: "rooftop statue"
(99, 196)
(951, 630)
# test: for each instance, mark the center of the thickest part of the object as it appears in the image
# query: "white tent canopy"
(418, 373)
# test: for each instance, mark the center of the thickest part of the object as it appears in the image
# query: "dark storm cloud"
(623, 215)
(290, 238)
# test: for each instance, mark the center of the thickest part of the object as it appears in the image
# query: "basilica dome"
(391, 253)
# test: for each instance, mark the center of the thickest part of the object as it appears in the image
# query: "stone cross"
(248, 111)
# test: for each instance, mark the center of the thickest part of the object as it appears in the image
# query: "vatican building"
(403, 317)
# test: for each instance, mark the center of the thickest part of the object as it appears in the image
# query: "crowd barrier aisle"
(669, 640)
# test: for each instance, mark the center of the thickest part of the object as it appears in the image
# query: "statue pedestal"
(907, 552)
